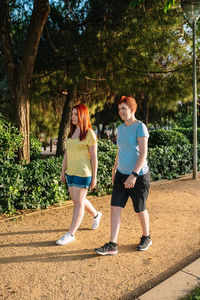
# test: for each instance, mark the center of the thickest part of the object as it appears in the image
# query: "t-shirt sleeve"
(91, 138)
(142, 130)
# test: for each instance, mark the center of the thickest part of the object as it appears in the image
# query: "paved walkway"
(177, 286)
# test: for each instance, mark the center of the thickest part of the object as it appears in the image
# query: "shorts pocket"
(143, 181)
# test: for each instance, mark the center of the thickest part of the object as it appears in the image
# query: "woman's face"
(74, 116)
(125, 112)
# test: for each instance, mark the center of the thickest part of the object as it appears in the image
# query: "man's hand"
(130, 182)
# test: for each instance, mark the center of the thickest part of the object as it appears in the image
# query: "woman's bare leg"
(90, 208)
(78, 196)
(88, 205)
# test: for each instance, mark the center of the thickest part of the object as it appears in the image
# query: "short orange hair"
(131, 102)
(83, 121)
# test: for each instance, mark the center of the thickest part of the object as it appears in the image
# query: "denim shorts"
(77, 181)
(139, 193)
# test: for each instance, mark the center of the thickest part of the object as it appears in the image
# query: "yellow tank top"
(78, 156)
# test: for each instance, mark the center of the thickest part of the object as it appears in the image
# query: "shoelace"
(63, 237)
(105, 246)
(143, 238)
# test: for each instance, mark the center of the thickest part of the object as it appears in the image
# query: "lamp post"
(191, 9)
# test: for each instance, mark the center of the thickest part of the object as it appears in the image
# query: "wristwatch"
(135, 174)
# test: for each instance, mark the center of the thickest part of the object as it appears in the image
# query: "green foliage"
(37, 185)
(106, 156)
(162, 137)
(102, 41)
(10, 140)
(42, 185)
(168, 162)
(35, 148)
(31, 186)
(135, 3)
(11, 183)
(195, 295)
(168, 5)
(114, 32)
(171, 153)
(106, 146)
(188, 133)
(185, 121)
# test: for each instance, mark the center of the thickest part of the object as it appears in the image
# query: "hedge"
(169, 162)
(162, 137)
(188, 133)
(37, 185)
(11, 140)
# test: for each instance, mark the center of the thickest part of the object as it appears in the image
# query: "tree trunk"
(102, 134)
(98, 130)
(51, 144)
(20, 117)
(65, 121)
(146, 109)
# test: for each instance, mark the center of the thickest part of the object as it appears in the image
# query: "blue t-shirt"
(128, 147)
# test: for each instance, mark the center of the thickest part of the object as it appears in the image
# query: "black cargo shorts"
(139, 193)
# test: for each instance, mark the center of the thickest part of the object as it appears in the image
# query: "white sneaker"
(65, 239)
(96, 221)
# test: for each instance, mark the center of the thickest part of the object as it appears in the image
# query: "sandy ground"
(33, 267)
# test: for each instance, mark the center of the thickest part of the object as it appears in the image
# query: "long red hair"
(83, 121)
(131, 102)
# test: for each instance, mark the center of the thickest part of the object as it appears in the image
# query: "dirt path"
(33, 267)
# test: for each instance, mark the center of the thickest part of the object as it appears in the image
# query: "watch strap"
(135, 174)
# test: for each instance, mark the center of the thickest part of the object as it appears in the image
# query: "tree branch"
(156, 71)
(94, 79)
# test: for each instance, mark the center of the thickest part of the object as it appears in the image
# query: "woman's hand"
(93, 183)
(62, 177)
(130, 182)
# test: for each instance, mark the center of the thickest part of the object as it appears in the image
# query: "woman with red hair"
(79, 169)
(130, 175)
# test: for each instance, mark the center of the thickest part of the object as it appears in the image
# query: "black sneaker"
(145, 243)
(109, 248)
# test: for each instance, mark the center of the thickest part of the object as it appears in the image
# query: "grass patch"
(195, 295)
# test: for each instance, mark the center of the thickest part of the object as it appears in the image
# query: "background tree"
(94, 51)
(19, 62)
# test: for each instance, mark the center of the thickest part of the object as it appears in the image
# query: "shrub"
(106, 146)
(11, 139)
(188, 133)
(35, 148)
(42, 185)
(162, 137)
(37, 185)
(106, 157)
(11, 184)
(168, 162)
